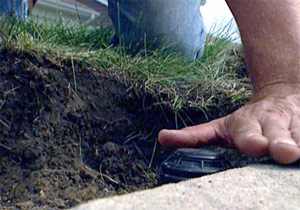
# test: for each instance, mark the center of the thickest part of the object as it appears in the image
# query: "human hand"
(268, 125)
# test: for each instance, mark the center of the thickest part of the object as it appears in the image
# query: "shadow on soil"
(67, 138)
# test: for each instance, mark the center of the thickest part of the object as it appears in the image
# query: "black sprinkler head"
(189, 163)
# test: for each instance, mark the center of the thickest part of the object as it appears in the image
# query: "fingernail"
(285, 141)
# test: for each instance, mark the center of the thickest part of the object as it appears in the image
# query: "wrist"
(276, 89)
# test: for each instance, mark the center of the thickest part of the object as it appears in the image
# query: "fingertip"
(163, 136)
(173, 139)
(284, 151)
(192, 136)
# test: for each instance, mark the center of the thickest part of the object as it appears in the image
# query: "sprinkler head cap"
(189, 163)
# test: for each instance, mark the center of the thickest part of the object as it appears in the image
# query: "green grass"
(206, 82)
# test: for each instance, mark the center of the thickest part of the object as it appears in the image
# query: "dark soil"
(64, 142)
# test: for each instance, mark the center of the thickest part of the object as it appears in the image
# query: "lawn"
(219, 74)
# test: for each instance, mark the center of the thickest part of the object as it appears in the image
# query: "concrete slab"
(253, 187)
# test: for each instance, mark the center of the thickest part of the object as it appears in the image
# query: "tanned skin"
(270, 123)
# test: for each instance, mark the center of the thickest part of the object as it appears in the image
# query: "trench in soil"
(64, 142)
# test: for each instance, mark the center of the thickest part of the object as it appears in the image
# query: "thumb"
(193, 136)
